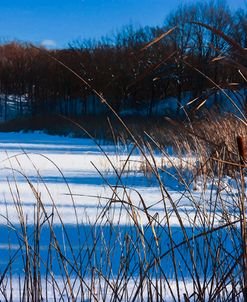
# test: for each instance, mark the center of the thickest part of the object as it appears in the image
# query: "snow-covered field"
(72, 172)
(77, 183)
(68, 172)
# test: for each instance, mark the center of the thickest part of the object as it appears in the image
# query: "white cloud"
(49, 43)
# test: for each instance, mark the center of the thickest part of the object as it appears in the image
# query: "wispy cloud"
(49, 43)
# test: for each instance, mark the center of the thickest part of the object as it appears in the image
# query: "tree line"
(135, 69)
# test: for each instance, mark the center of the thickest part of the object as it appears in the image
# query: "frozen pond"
(63, 196)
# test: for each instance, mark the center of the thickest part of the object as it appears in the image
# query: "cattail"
(242, 149)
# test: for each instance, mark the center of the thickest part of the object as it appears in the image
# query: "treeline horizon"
(134, 70)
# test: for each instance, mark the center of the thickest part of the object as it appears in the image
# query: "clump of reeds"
(183, 247)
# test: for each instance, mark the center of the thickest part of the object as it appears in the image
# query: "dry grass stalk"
(242, 149)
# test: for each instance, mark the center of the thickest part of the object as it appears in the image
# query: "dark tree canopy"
(131, 73)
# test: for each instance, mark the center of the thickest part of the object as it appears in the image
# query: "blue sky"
(57, 22)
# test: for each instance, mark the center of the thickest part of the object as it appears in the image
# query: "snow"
(61, 166)
(74, 173)
(78, 185)
(60, 292)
